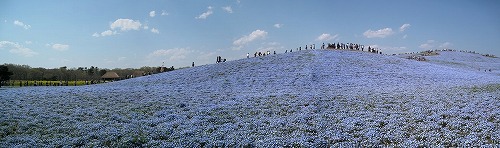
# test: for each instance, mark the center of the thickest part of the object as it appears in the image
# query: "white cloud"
(104, 33)
(205, 14)
(428, 45)
(445, 45)
(171, 54)
(17, 49)
(122, 25)
(60, 47)
(228, 9)
(21, 24)
(28, 42)
(381, 33)
(257, 34)
(152, 14)
(404, 27)
(326, 37)
(154, 30)
(278, 25)
(108, 33)
(163, 12)
(125, 24)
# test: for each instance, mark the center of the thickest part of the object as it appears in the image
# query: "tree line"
(27, 73)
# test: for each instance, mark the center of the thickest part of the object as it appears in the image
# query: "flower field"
(311, 98)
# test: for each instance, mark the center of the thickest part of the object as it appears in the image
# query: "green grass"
(486, 88)
(16, 83)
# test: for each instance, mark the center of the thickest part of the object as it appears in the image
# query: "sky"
(132, 34)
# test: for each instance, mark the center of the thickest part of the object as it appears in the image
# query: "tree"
(64, 73)
(4, 74)
(102, 72)
(90, 71)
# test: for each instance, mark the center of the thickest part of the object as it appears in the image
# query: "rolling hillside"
(310, 98)
(469, 61)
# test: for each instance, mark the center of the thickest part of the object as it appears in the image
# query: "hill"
(321, 70)
(311, 98)
(466, 60)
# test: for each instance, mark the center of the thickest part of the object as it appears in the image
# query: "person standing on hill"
(192, 64)
(219, 59)
(248, 55)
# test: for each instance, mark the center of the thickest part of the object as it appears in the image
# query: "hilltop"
(468, 61)
(310, 98)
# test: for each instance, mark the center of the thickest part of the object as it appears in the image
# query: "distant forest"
(25, 72)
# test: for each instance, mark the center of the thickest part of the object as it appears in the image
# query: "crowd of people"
(219, 60)
(340, 46)
(306, 47)
(260, 54)
(351, 46)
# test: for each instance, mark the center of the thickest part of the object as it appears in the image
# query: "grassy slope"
(308, 98)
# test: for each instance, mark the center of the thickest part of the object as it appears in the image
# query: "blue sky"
(127, 33)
